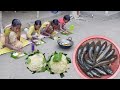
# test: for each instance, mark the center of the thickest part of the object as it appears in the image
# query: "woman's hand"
(17, 49)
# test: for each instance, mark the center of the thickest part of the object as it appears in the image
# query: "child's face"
(37, 27)
(16, 28)
(66, 21)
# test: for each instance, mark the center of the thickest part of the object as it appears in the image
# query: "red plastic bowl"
(115, 66)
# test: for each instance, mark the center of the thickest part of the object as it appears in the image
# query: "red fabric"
(61, 21)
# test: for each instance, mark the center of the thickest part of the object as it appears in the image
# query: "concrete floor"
(16, 69)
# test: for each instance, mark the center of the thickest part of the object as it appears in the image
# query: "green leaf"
(15, 57)
(47, 68)
(28, 61)
(43, 41)
(25, 53)
(68, 60)
(35, 52)
(43, 69)
(65, 71)
(57, 57)
(26, 58)
(31, 54)
(51, 72)
(65, 54)
(55, 53)
(61, 75)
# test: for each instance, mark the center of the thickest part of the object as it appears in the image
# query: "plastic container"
(71, 28)
(32, 47)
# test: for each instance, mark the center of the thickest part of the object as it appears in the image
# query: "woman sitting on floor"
(11, 36)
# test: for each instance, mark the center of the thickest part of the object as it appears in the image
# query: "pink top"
(62, 23)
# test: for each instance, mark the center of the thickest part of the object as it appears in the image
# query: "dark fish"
(84, 51)
(101, 71)
(102, 56)
(98, 45)
(111, 53)
(86, 71)
(103, 46)
(89, 74)
(79, 54)
(89, 62)
(86, 48)
(91, 50)
(97, 50)
(107, 69)
(80, 63)
(105, 62)
(87, 66)
(95, 73)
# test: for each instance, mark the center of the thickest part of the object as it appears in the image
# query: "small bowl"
(68, 41)
(115, 65)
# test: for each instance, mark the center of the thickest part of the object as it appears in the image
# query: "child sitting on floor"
(62, 22)
(34, 30)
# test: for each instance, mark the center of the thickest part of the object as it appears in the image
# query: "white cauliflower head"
(59, 67)
(36, 63)
(58, 63)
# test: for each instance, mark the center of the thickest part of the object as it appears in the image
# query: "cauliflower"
(36, 62)
(58, 63)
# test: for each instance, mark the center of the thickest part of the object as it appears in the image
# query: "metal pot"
(65, 43)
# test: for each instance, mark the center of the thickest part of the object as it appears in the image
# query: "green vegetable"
(36, 62)
(57, 57)
(58, 63)
(68, 59)
(28, 61)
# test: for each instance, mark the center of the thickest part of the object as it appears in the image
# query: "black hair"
(37, 22)
(67, 17)
(16, 22)
(55, 22)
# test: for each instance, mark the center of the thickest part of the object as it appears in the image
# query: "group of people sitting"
(12, 33)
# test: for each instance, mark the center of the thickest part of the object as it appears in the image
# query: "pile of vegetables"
(36, 62)
(58, 63)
